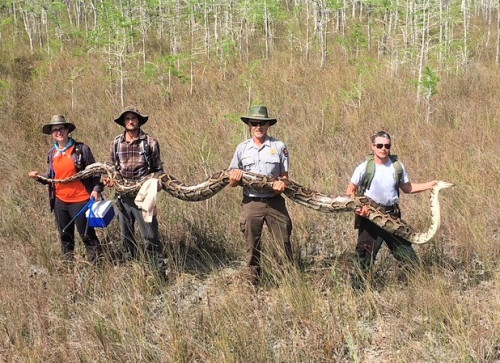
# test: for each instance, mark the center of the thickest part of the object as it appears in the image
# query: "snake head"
(443, 185)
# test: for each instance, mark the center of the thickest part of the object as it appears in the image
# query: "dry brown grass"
(447, 311)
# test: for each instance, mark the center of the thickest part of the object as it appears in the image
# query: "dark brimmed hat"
(55, 121)
(258, 113)
(142, 118)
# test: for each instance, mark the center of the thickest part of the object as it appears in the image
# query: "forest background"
(333, 72)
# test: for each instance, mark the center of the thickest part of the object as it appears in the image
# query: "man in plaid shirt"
(136, 155)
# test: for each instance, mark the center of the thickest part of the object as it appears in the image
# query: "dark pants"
(64, 212)
(370, 240)
(128, 214)
(254, 213)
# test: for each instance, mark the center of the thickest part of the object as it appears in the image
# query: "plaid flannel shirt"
(133, 163)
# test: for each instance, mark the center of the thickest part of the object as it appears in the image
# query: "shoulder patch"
(285, 151)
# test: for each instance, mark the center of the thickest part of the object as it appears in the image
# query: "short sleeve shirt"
(383, 187)
(270, 159)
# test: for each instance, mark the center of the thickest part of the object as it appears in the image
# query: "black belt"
(260, 199)
(391, 209)
(127, 195)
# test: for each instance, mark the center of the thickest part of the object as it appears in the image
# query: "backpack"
(146, 152)
(366, 181)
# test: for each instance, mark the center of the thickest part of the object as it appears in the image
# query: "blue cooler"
(100, 214)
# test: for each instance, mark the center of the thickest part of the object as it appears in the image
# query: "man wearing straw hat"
(136, 155)
(264, 155)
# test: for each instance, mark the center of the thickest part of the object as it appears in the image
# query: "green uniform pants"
(272, 211)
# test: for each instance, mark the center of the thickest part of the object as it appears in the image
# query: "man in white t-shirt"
(384, 190)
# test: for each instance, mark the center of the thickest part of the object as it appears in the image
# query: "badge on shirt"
(272, 151)
(285, 152)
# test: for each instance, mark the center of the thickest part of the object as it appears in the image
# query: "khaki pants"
(254, 213)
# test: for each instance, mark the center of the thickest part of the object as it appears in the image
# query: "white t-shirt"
(383, 187)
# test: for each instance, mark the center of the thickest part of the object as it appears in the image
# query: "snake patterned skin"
(296, 192)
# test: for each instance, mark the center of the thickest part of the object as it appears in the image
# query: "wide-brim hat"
(142, 118)
(55, 121)
(259, 113)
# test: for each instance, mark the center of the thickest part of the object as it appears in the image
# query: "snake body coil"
(304, 196)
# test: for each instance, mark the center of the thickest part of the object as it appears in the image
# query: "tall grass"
(448, 310)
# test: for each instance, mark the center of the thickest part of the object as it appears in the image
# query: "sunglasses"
(258, 123)
(379, 146)
(60, 129)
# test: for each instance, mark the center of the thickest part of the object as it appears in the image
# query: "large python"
(296, 192)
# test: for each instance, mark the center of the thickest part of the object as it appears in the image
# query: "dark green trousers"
(370, 240)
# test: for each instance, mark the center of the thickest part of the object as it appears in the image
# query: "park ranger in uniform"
(268, 156)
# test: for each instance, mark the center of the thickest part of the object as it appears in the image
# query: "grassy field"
(447, 311)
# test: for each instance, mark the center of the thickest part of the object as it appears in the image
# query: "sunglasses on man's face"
(379, 146)
(258, 123)
(60, 129)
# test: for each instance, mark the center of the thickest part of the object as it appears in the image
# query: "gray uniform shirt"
(270, 159)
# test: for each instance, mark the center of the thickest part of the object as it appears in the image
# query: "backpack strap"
(146, 152)
(399, 171)
(79, 161)
(368, 175)
(116, 142)
(367, 179)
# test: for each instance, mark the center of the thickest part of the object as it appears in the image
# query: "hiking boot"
(358, 282)
(251, 275)
(161, 270)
